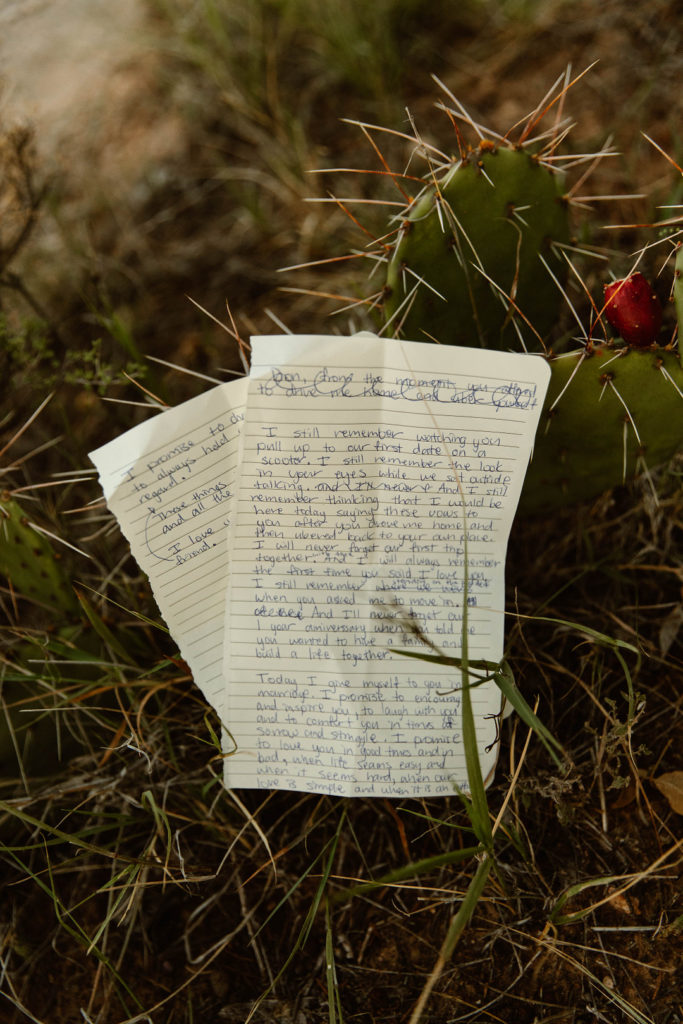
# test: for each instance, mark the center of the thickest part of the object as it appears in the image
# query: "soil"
(61, 64)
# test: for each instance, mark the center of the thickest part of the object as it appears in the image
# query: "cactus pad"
(28, 561)
(678, 291)
(607, 416)
(490, 218)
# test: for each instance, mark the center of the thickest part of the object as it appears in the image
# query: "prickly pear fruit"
(633, 310)
(28, 561)
(607, 415)
(466, 268)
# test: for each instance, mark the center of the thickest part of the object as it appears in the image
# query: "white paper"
(360, 460)
(170, 483)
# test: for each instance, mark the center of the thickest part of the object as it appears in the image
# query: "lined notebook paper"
(300, 526)
(170, 482)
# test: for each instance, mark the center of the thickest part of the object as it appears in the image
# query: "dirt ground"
(57, 61)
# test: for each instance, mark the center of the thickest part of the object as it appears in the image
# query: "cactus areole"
(476, 242)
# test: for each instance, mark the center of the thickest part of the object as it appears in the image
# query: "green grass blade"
(467, 907)
(593, 634)
(557, 918)
(479, 809)
(103, 630)
(505, 682)
(445, 659)
(456, 928)
(60, 835)
(413, 870)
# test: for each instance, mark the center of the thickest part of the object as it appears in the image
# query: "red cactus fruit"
(633, 309)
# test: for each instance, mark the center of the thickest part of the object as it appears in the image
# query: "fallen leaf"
(670, 784)
(626, 796)
(619, 901)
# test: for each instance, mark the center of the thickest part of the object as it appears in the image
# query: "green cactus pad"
(607, 416)
(678, 291)
(494, 214)
(28, 562)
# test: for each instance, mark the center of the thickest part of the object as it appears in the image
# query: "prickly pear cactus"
(481, 259)
(467, 265)
(28, 561)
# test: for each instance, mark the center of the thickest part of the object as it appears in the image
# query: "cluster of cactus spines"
(480, 258)
(472, 243)
(28, 562)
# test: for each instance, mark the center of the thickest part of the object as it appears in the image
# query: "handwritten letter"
(170, 482)
(366, 464)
